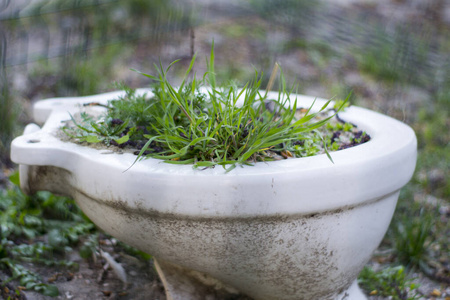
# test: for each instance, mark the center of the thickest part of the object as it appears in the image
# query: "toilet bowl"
(299, 228)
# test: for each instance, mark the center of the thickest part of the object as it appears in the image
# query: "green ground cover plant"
(25, 218)
(412, 237)
(419, 231)
(202, 123)
(389, 282)
(43, 229)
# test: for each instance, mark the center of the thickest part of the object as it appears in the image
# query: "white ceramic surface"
(291, 229)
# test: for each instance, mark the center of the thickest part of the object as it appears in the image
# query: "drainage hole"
(33, 141)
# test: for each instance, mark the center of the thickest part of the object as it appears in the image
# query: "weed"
(27, 220)
(28, 217)
(28, 279)
(418, 234)
(192, 124)
(90, 245)
(389, 282)
(412, 238)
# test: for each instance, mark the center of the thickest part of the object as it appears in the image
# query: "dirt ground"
(95, 279)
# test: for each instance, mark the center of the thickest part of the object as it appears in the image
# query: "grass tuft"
(412, 239)
(206, 124)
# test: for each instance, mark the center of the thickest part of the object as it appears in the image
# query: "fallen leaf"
(436, 293)
(54, 277)
(286, 154)
(118, 269)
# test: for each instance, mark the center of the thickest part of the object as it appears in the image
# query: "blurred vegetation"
(388, 282)
(8, 119)
(43, 229)
(91, 37)
(295, 15)
(25, 218)
(395, 58)
(78, 74)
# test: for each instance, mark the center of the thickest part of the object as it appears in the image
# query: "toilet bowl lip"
(373, 169)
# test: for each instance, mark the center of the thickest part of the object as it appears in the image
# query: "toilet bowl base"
(184, 284)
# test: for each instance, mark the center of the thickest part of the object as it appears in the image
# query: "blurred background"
(393, 54)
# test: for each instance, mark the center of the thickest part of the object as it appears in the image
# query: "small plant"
(389, 282)
(203, 124)
(412, 238)
(31, 217)
(40, 230)
(28, 279)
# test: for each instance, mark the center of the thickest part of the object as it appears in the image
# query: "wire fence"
(40, 30)
(75, 41)
(36, 30)
(62, 35)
